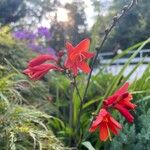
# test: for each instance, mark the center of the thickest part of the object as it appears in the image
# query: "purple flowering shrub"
(24, 35)
(36, 40)
(43, 31)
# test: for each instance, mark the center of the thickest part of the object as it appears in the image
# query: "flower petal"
(122, 89)
(115, 123)
(125, 113)
(26, 71)
(103, 112)
(113, 128)
(84, 67)
(83, 45)
(110, 100)
(88, 54)
(39, 71)
(92, 128)
(95, 123)
(127, 103)
(69, 48)
(45, 67)
(41, 59)
(68, 63)
(104, 133)
(38, 75)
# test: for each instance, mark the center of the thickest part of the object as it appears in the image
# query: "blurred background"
(74, 20)
(32, 27)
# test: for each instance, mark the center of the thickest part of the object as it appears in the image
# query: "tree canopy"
(133, 28)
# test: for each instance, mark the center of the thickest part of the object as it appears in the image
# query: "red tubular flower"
(41, 59)
(37, 69)
(77, 56)
(37, 72)
(121, 100)
(106, 123)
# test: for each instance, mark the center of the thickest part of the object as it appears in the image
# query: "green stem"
(71, 112)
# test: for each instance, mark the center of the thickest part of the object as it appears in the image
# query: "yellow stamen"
(109, 134)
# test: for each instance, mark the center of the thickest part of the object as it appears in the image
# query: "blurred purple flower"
(43, 31)
(36, 48)
(33, 40)
(24, 35)
(50, 50)
(41, 49)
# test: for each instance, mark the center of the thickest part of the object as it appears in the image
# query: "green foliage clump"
(12, 50)
(21, 125)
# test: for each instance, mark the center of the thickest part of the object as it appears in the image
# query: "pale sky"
(88, 10)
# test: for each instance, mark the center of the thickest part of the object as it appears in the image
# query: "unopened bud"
(106, 30)
(125, 7)
(115, 18)
(61, 53)
(94, 114)
(97, 48)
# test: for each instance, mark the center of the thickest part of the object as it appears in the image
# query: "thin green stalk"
(77, 89)
(71, 111)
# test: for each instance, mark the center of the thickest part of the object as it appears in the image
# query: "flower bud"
(61, 53)
(125, 7)
(106, 30)
(115, 18)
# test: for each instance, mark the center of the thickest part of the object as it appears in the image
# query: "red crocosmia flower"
(106, 123)
(77, 56)
(37, 72)
(41, 59)
(121, 100)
